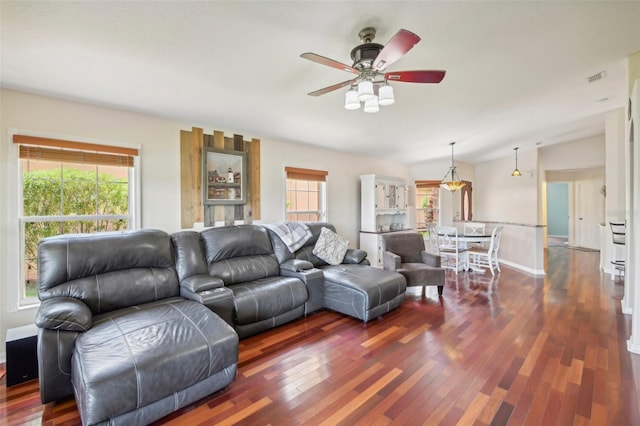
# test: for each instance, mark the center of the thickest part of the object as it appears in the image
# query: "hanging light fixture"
(516, 172)
(454, 183)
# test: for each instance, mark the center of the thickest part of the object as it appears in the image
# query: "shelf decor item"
(223, 172)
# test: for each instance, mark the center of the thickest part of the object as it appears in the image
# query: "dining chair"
(432, 237)
(454, 256)
(482, 257)
(618, 233)
(474, 228)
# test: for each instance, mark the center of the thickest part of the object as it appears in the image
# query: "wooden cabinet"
(384, 204)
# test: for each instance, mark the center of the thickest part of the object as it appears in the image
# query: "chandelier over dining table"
(451, 181)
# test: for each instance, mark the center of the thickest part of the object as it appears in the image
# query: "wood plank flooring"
(509, 350)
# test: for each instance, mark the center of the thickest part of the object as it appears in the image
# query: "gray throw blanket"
(293, 234)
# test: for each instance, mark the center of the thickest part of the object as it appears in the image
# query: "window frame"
(15, 183)
(310, 175)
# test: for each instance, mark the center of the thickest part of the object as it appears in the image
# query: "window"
(70, 187)
(427, 203)
(305, 195)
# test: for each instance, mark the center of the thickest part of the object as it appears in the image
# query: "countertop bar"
(488, 222)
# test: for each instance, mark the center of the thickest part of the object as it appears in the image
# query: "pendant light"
(454, 183)
(516, 172)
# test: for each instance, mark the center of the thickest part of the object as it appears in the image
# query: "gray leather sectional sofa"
(138, 324)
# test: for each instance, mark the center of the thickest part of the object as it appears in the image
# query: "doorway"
(557, 214)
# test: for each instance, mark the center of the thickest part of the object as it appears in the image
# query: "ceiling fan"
(370, 61)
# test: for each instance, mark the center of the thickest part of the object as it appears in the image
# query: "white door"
(589, 213)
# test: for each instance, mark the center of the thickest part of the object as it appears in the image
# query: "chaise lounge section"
(352, 287)
(114, 330)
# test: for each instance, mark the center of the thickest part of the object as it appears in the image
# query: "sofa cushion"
(419, 274)
(330, 247)
(135, 356)
(239, 253)
(267, 298)
(374, 286)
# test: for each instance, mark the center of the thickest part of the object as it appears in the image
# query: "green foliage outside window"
(68, 192)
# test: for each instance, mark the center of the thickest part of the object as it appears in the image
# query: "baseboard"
(632, 347)
(3, 357)
(522, 268)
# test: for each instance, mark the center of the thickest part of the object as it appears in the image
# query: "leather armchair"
(404, 252)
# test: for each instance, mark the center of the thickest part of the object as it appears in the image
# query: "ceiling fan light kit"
(369, 62)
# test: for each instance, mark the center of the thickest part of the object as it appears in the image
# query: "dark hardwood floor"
(515, 349)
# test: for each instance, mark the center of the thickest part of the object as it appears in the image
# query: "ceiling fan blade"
(399, 44)
(421, 76)
(331, 88)
(328, 62)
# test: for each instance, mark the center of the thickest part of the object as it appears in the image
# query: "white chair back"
(473, 228)
(453, 256)
(494, 246)
(432, 236)
(447, 237)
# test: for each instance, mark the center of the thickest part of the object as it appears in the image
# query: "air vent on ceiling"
(596, 77)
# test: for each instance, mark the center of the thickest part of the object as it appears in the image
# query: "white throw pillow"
(330, 247)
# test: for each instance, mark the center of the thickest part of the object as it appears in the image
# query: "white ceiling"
(516, 71)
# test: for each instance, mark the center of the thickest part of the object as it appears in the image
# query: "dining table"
(463, 241)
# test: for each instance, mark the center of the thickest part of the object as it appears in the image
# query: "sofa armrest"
(354, 256)
(64, 313)
(314, 280)
(296, 265)
(390, 261)
(201, 282)
(55, 349)
(430, 259)
(218, 300)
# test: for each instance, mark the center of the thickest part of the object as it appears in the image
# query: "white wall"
(160, 172)
(343, 181)
(615, 162)
(578, 154)
(500, 197)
